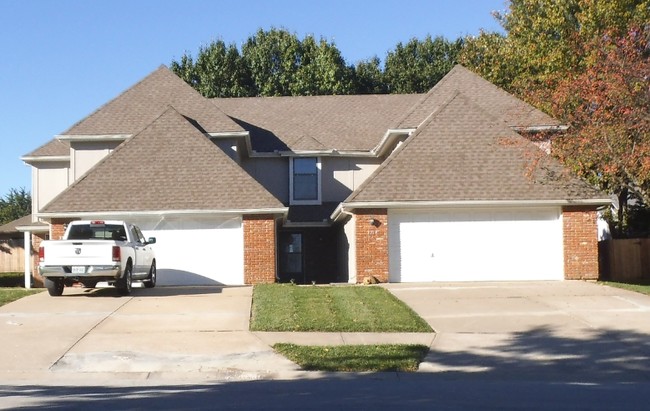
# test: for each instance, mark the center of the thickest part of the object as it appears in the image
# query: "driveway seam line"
(88, 332)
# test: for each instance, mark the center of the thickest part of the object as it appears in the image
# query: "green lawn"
(639, 288)
(11, 288)
(384, 357)
(353, 308)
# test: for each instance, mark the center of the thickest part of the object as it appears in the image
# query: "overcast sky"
(63, 59)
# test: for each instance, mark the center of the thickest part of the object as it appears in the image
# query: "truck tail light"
(41, 254)
(117, 254)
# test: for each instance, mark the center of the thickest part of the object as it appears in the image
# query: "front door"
(291, 258)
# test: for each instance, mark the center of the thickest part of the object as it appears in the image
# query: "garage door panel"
(475, 245)
(197, 250)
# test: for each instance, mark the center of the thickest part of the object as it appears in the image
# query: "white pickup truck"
(98, 251)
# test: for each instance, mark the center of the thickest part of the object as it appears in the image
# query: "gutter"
(93, 137)
(51, 159)
(249, 211)
(470, 203)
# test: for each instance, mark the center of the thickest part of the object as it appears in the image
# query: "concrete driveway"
(168, 332)
(559, 331)
(549, 331)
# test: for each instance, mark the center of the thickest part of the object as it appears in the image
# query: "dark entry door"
(292, 263)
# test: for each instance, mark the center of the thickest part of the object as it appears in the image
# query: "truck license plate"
(78, 269)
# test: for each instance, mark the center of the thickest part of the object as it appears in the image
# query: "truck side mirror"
(151, 240)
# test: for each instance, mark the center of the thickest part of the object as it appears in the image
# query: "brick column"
(580, 243)
(259, 249)
(372, 243)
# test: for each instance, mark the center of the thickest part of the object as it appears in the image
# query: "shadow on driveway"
(165, 291)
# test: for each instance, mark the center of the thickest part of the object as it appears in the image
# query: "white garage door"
(475, 245)
(197, 250)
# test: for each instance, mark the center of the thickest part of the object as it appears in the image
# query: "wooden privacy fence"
(625, 260)
(12, 255)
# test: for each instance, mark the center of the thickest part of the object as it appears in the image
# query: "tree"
(369, 77)
(546, 37)
(16, 204)
(607, 106)
(418, 65)
(322, 70)
(219, 71)
(487, 54)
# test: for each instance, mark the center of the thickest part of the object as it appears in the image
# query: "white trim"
(33, 228)
(560, 127)
(93, 137)
(319, 194)
(307, 153)
(27, 245)
(474, 203)
(282, 211)
(229, 134)
(27, 159)
(389, 137)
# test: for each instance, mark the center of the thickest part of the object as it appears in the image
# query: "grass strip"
(382, 357)
(11, 287)
(8, 295)
(287, 307)
(639, 288)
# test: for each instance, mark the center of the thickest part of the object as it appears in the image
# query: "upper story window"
(304, 181)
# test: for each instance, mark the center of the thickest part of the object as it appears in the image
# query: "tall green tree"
(273, 58)
(322, 70)
(369, 77)
(15, 204)
(418, 65)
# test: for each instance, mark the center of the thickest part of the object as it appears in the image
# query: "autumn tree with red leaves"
(607, 107)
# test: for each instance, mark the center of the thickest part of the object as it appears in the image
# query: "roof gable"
(141, 104)
(492, 99)
(168, 166)
(461, 153)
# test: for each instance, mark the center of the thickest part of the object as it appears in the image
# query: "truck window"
(103, 232)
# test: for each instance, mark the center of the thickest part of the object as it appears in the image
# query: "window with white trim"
(304, 180)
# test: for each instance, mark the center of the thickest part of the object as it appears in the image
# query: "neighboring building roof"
(12, 227)
(494, 100)
(462, 153)
(297, 123)
(142, 103)
(169, 166)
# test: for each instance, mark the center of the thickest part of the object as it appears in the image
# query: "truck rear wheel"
(124, 284)
(54, 286)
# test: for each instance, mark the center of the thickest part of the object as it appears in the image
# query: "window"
(305, 180)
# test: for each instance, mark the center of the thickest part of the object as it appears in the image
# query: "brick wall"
(580, 243)
(259, 249)
(372, 243)
(57, 228)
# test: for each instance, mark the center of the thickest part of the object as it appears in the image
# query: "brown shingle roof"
(317, 122)
(141, 104)
(10, 227)
(461, 153)
(53, 148)
(494, 100)
(170, 165)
